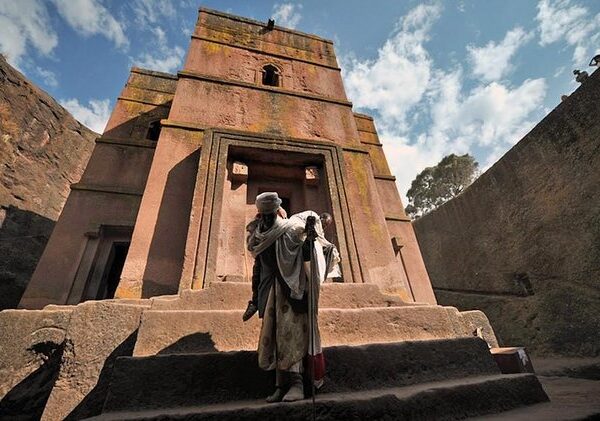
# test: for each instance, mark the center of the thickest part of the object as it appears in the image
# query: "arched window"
(270, 75)
(153, 130)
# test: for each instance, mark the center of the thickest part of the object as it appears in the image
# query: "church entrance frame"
(101, 263)
(203, 234)
(300, 180)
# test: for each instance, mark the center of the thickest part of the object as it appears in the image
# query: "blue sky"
(440, 77)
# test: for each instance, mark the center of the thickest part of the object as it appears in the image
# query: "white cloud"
(47, 76)
(23, 24)
(397, 79)
(90, 17)
(492, 117)
(152, 11)
(492, 62)
(424, 113)
(488, 114)
(563, 20)
(287, 14)
(95, 115)
(165, 58)
(27, 23)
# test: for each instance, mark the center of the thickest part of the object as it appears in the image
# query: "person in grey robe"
(325, 219)
(283, 279)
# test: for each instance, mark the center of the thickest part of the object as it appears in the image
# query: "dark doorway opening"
(102, 263)
(285, 204)
(114, 267)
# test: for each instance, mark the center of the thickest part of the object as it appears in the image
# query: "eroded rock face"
(522, 243)
(43, 150)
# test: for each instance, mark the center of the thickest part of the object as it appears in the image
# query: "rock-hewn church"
(145, 277)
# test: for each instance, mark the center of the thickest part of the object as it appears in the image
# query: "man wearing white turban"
(283, 288)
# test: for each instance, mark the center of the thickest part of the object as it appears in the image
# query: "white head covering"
(268, 202)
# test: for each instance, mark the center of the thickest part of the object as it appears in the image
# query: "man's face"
(325, 222)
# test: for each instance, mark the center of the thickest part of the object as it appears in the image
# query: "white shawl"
(289, 236)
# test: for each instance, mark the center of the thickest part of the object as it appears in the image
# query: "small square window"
(270, 75)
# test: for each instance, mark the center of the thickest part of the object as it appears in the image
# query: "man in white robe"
(283, 294)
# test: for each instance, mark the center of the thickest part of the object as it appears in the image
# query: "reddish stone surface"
(43, 149)
(107, 197)
(522, 243)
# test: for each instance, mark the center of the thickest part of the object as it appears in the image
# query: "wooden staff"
(311, 236)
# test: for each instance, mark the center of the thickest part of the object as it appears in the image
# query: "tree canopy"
(436, 185)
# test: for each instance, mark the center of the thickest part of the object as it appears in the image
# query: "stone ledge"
(235, 296)
(464, 398)
(370, 143)
(392, 217)
(212, 79)
(184, 331)
(262, 24)
(106, 189)
(156, 104)
(267, 53)
(137, 143)
(384, 177)
(155, 73)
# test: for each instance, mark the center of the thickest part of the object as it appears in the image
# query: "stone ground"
(573, 385)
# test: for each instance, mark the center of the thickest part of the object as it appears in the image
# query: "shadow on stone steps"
(171, 381)
(446, 400)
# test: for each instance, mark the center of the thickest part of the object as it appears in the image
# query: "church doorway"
(300, 179)
(113, 270)
(111, 247)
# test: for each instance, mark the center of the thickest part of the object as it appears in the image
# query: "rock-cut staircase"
(194, 359)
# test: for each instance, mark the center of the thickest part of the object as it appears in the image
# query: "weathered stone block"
(312, 176)
(31, 344)
(98, 333)
(239, 171)
(477, 322)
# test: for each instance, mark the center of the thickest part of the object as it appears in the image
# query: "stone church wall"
(522, 243)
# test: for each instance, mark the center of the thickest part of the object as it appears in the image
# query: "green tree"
(438, 184)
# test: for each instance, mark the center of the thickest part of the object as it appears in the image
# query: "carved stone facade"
(170, 186)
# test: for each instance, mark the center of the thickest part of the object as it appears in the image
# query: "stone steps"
(186, 331)
(235, 296)
(449, 399)
(192, 379)
(359, 378)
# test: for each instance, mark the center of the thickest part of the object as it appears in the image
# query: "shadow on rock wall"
(165, 258)
(93, 402)
(23, 237)
(26, 401)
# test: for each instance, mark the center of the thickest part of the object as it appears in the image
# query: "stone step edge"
(323, 309)
(325, 347)
(187, 298)
(402, 393)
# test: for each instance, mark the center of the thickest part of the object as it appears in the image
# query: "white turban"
(268, 202)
